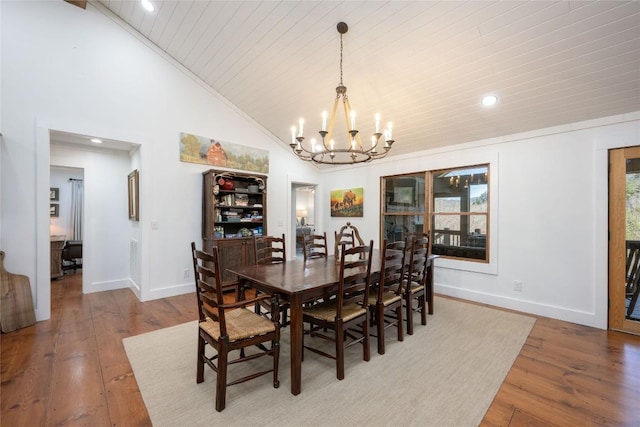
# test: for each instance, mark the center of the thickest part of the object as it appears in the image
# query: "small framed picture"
(134, 198)
(53, 209)
(54, 194)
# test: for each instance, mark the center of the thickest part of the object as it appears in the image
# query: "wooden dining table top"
(297, 276)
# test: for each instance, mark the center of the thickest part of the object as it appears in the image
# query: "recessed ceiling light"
(489, 100)
(147, 5)
(96, 140)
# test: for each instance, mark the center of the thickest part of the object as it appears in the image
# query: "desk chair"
(72, 255)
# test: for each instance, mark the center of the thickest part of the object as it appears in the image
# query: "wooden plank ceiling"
(424, 65)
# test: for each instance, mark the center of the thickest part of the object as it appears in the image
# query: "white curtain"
(77, 202)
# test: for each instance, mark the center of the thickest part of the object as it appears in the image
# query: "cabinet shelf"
(257, 221)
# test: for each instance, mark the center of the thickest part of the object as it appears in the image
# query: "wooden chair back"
(355, 276)
(348, 234)
(314, 246)
(386, 305)
(393, 266)
(418, 256)
(208, 286)
(269, 249)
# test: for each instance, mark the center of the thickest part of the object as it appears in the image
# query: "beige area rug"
(446, 374)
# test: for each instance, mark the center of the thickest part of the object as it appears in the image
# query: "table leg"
(430, 286)
(295, 328)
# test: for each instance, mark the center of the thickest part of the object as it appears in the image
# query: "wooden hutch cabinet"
(234, 209)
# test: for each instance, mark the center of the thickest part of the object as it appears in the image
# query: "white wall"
(78, 71)
(548, 224)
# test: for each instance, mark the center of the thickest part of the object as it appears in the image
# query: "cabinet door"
(234, 253)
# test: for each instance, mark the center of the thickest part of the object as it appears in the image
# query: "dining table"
(298, 281)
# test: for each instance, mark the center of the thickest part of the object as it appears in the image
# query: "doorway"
(624, 240)
(66, 220)
(304, 205)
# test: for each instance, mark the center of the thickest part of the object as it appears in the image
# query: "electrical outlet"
(517, 285)
(186, 273)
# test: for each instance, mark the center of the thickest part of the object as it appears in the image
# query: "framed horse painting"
(347, 203)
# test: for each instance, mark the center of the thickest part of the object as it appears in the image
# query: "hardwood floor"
(73, 370)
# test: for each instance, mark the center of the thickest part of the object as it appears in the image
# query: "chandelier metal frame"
(326, 152)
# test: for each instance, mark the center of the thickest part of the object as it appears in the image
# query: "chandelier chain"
(341, 84)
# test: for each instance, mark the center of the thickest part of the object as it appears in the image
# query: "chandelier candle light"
(327, 151)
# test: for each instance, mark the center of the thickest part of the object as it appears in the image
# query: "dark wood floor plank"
(27, 361)
(565, 375)
(126, 407)
(499, 415)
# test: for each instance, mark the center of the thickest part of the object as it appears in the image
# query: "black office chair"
(72, 255)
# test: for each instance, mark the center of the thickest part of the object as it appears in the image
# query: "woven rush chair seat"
(241, 324)
(387, 298)
(327, 311)
(414, 287)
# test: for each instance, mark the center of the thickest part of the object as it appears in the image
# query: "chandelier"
(327, 151)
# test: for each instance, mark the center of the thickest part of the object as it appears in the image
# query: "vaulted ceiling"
(423, 65)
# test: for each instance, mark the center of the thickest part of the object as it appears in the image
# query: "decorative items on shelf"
(237, 202)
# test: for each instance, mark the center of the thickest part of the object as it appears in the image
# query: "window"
(456, 201)
(460, 212)
(403, 207)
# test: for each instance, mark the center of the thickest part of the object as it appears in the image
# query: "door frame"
(617, 239)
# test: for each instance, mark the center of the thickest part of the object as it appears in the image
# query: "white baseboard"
(107, 286)
(554, 312)
(169, 291)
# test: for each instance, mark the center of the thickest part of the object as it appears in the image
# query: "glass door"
(624, 242)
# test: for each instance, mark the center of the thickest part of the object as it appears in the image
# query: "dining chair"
(314, 246)
(345, 237)
(348, 234)
(229, 326)
(270, 250)
(347, 314)
(386, 296)
(415, 284)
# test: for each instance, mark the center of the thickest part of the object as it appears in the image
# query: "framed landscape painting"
(214, 152)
